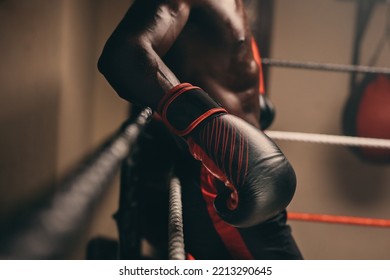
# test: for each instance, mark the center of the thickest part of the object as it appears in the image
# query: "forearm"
(131, 59)
(136, 72)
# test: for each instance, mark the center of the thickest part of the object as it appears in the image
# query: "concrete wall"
(30, 88)
(55, 108)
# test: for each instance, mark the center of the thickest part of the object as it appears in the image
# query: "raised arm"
(259, 180)
(131, 59)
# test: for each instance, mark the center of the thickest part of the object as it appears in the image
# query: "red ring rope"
(338, 219)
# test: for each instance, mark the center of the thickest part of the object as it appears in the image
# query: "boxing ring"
(176, 240)
(325, 139)
(176, 234)
(341, 140)
(51, 228)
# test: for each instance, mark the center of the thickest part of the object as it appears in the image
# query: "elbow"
(110, 58)
(122, 55)
(108, 66)
(106, 62)
(102, 64)
(123, 63)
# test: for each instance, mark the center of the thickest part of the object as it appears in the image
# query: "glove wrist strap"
(185, 106)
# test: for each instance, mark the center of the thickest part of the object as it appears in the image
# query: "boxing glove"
(259, 180)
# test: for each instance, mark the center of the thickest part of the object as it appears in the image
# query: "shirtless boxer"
(195, 63)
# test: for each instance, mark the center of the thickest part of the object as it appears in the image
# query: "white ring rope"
(325, 66)
(330, 139)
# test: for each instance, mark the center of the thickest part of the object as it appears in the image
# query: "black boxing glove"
(267, 111)
(259, 180)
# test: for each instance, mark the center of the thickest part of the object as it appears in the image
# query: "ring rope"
(330, 139)
(325, 66)
(346, 220)
(175, 227)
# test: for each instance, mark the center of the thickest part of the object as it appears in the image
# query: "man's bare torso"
(214, 51)
(203, 42)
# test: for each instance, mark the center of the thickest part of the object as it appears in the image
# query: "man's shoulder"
(169, 2)
(180, 4)
(172, 4)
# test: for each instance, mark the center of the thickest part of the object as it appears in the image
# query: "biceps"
(169, 24)
(157, 25)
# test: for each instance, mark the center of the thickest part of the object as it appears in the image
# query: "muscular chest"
(216, 37)
(225, 19)
(217, 24)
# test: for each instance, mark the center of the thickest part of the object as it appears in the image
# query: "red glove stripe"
(231, 155)
(196, 122)
(240, 157)
(224, 147)
(231, 150)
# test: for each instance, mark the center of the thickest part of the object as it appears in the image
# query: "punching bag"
(367, 114)
(367, 110)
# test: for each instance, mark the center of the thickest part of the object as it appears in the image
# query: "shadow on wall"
(359, 182)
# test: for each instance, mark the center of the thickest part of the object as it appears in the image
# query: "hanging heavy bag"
(367, 110)
(367, 114)
(373, 116)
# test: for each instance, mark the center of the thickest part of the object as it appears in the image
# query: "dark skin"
(161, 43)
